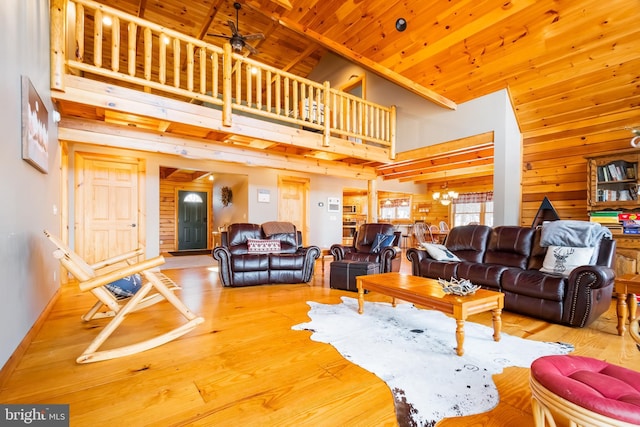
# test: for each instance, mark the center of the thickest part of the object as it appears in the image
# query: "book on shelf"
(623, 216)
(617, 171)
(613, 172)
(605, 217)
(631, 226)
(606, 213)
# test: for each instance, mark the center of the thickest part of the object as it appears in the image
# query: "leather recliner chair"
(388, 257)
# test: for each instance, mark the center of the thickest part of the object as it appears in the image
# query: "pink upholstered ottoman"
(585, 391)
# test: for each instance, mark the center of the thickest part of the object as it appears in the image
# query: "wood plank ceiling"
(565, 63)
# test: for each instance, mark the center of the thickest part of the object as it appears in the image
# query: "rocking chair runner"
(89, 279)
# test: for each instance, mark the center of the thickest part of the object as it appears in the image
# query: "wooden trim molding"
(11, 364)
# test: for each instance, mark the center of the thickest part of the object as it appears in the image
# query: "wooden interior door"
(293, 202)
(107, 206)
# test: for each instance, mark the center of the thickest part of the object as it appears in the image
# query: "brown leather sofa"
(239, 266)
(508, 259)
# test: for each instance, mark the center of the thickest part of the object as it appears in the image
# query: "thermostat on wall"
(264, 196)
(333, 204)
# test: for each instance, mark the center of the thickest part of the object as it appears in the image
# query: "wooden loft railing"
(133, 52)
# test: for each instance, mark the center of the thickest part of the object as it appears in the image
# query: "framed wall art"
(35, 128)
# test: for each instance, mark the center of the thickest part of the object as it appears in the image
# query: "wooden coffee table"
(429, 293)
(626, 286)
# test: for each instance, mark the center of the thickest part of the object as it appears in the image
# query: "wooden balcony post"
(392, 134)
(326, 114)
(372, 190)
(58, 12)
(226, 85)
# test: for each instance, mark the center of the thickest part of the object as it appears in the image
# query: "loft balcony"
(122, 81)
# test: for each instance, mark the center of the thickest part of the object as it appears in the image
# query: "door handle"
(133, 225)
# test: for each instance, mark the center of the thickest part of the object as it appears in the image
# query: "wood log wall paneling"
(554, 165)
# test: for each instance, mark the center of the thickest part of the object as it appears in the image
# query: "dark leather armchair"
(239, 266)
(388, 257)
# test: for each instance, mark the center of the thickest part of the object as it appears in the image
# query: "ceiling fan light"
(436, 195)
(237, 44)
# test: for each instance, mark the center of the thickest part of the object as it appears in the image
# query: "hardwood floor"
(245, 366)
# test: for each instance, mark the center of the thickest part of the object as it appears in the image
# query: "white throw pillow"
(439, 252)
(564, 259)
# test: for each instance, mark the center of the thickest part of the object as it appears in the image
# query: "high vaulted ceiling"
(564, 62)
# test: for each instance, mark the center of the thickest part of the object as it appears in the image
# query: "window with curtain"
(473, 208)
(395, 208)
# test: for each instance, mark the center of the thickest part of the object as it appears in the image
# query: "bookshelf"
(613, 185)
(613, 181)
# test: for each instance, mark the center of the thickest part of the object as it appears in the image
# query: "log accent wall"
(554, 165)
(169, 208)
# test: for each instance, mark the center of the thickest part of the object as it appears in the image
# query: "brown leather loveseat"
(253, 254)
(509, 258)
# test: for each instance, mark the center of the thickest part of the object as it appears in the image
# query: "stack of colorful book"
(609, 219)
(630, 223)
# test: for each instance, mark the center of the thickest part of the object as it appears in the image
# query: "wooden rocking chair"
(91, 279)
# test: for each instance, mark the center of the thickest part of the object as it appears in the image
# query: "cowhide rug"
(413, 351)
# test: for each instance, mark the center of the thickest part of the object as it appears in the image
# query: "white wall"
(29, 271)
(421, 123)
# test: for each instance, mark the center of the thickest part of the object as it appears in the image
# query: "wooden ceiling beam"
(299, 58)
(283, 3)
(471, 172)
(142, 5)
(426, 165)
(211, 14)
(124, 137)
(420, 172)
(167, 172)
(444, 159)
(445, 148)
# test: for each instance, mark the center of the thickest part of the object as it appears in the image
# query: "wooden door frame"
(305, 196)
(176, 213)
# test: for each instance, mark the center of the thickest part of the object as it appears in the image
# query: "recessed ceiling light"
(401, 24)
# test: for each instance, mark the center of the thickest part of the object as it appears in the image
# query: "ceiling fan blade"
(251, 49)
(234, 29)
(219, 35)
(256, 36)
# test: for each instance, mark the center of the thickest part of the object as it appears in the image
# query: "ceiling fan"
(237, 40)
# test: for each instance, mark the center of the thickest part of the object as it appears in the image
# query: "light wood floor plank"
(245, 366)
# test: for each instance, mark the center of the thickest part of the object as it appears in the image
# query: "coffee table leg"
(497, 323)
(360, 296)
(621, 311)
(460, 336)
(632, 306)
